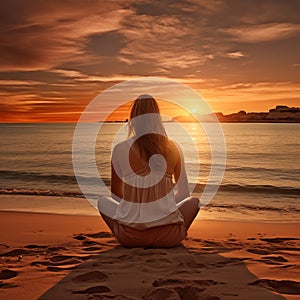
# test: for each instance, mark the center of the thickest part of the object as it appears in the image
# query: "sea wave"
(253, 207)
(214, 206)
(50, 178)
(264, 189)
(70, 180)
(39, 192)
(247, 169)
(6, 174)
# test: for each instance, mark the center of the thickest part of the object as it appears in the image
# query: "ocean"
(261, 180)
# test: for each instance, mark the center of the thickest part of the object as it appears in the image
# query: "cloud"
(81, 77)
(208, 6)
(164, 41)
(53, 34)
(18, 82)
(236, 54)
(262, 32)
(246, 91)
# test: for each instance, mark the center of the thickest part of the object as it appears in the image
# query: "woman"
(146, 210)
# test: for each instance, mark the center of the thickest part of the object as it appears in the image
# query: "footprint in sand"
(63, 260)
(276, 258)
(99, 235)
(258, 251)
(92, 248)
(60, 263)
(60, 269)
(273, 260)
(79, 237)
(287, 287)
(188, 292)
(94, 290)
(93, 276)
(89, 243)
(54, 249)
(162, 293)
(35, 247)
(7, 274)
(185, 289)
(181, 282)
(278, 240)
(16, 252)
(59, 258)
(269, 262)
(40, 263)
(5, 285)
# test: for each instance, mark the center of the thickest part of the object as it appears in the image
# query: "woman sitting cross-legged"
(144, 210)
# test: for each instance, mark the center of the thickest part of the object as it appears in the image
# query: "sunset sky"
(56, 56)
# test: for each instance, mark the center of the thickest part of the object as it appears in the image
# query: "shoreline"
(77, 206)
(197, 219)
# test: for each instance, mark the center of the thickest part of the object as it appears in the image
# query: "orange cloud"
(262, 32)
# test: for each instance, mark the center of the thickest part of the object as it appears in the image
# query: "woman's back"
(148, 188)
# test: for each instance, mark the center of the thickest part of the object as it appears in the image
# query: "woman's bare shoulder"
(173, 147)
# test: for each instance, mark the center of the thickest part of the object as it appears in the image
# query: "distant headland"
(280, 114)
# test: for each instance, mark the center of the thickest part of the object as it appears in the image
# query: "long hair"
(150, 132)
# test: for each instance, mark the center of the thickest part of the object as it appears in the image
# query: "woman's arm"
(180, 177)
(116, 183)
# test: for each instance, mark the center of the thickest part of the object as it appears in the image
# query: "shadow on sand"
(195, 269)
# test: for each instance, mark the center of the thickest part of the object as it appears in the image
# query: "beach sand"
(51, 256)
